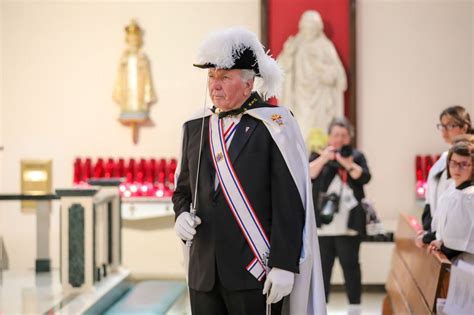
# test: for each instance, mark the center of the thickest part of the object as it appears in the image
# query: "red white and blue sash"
(236, 197)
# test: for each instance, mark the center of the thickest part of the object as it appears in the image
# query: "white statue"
(315, 80)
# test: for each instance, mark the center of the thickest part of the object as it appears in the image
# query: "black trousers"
(221, 301)
(346, 248)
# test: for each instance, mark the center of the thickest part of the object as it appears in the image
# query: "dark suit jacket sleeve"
(426, 218)
(360, 160)
(182, 197)
(450, 253)
(429, 237)
(288, 216)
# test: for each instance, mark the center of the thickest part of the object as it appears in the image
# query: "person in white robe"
(454, 219)
(454, 122)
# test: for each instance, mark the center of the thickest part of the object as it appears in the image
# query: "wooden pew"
(417, 279)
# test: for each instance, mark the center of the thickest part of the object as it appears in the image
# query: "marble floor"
(30, 293)
(27, 292)
(371, 304)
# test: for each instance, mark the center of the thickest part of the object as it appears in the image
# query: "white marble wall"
(1, 106)
(414, 58)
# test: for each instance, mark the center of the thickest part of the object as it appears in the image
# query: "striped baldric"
(237, 199)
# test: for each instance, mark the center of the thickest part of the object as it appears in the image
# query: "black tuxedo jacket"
(219, 246)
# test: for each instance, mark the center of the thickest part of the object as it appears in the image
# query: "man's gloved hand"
(185, 226)
(279, 283)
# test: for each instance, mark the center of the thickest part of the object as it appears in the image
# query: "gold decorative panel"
(36, 179)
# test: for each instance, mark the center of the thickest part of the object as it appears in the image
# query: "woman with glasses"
(454, 121)
(454, 218)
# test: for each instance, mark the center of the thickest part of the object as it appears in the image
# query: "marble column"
(78, 261)
(110, 187)
(43, 210)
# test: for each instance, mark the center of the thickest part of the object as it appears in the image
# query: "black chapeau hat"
(238, 48)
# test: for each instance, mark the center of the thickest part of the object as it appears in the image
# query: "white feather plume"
(221, 47)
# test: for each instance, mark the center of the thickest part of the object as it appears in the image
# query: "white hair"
(247, 75)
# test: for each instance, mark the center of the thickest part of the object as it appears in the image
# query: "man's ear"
(248, 87)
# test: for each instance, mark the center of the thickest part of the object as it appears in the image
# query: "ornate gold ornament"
(133, 90)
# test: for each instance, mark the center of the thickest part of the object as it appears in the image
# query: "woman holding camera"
(339, 174)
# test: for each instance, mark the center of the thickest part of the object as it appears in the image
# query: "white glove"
(185, 226)
(279, 283)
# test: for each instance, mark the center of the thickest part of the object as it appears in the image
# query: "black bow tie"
(230, 113)
(235, 112)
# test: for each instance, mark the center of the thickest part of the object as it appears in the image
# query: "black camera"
(346, 150)
(330, 206)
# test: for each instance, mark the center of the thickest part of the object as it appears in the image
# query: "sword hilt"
(193, 215)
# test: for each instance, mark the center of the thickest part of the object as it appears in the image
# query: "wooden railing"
(417, 279)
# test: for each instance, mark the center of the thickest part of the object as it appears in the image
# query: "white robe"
(454, 219)
(437, 183)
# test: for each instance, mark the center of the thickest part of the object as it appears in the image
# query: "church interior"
(87, 169)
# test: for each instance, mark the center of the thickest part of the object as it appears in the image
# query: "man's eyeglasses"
(446, 127)
(462, 165)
